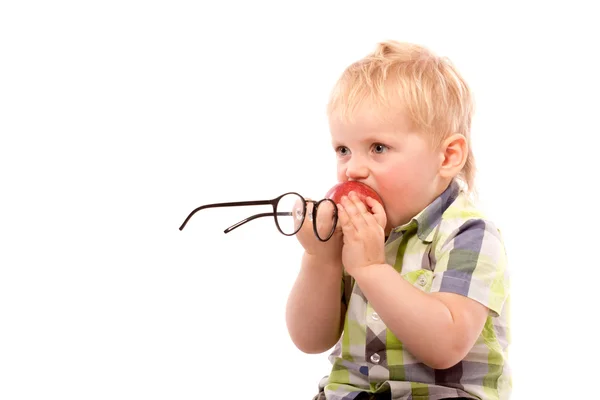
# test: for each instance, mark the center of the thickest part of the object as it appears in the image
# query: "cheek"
(388, 180)
(401, 179)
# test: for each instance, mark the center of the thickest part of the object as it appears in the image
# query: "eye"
(379, 148)
(342, 151)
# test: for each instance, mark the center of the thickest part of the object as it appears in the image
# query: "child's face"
(399, 164)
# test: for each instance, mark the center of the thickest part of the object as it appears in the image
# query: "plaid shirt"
(448, 247)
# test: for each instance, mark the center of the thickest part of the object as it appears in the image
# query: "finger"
(377, 211)
(353, 205)
(374, 205)
(344, 221)
(307, 223)
(325, 218)
(306, 231)
(338, 225)
(354, 213)
(360, 205)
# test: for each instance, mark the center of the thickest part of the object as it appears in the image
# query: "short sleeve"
(471, 261)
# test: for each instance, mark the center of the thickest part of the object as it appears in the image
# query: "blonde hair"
(404, 77)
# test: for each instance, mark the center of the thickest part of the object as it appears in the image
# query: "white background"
(117, 118)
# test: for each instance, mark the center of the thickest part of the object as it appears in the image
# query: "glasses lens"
(290, 213)
(326, 215)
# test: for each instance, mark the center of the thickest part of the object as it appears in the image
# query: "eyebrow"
(382, 137)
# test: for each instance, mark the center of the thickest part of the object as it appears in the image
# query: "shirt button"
(375, 316)
(375, 358)
(422, 281)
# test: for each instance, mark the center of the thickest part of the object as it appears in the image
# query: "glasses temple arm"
(234, 204)
(242, 222)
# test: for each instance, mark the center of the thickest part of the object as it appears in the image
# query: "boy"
(423, 306)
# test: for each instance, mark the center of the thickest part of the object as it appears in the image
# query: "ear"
(453, 151)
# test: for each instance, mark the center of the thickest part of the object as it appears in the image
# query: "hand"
(363, 232)
(329, 252)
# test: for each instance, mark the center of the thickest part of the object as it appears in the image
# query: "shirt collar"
(429, 218)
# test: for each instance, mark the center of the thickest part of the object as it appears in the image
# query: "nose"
(356, 169)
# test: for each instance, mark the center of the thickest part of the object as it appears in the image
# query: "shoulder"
(463, 225)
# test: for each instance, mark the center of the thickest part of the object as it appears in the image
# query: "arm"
(438, 328)
(314, 312)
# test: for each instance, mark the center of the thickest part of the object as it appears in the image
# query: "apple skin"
(344, 188)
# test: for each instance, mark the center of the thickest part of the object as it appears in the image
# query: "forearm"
(419, 320)
(313, 312)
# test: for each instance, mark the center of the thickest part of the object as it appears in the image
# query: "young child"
(421, 312)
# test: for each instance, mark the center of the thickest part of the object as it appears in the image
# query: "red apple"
(343, 189)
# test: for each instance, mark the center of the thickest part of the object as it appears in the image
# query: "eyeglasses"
(289, 211)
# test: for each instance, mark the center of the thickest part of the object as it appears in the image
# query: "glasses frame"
(274, 203)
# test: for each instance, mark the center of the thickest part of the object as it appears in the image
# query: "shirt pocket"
(421, 279)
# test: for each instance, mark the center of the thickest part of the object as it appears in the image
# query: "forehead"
(365, 124)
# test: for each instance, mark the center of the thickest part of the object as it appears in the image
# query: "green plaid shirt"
(448, 247)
